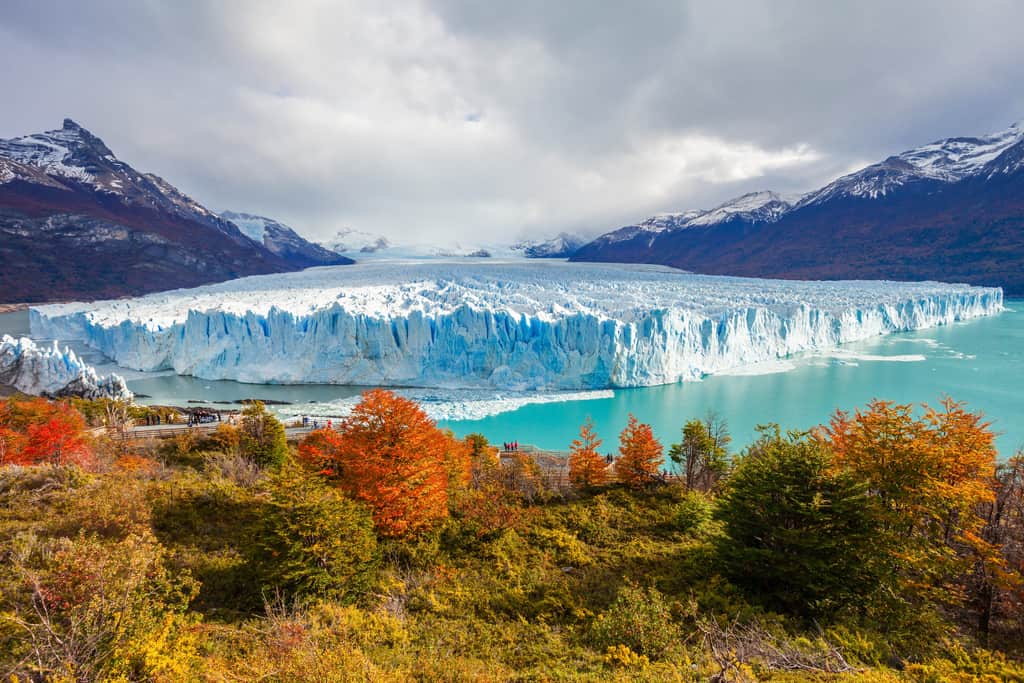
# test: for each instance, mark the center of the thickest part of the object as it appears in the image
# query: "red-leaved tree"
(391, 456)
(35, 431)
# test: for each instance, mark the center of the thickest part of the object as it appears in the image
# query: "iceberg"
(50, 371)
(510, 325)
(449, 404)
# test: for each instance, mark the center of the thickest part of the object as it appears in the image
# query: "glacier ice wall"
(510, 325)
(49, 371)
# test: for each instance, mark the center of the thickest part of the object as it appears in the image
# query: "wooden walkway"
(167, 431)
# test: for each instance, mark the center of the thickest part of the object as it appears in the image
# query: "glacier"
(50, 371)
(511, 325)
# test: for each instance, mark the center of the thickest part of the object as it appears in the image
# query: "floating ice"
(521, 326)
(450, 405)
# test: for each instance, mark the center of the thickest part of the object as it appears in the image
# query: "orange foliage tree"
(640, 454)
(931, 475)
(391, 456)
(492, 501)
(587, 468)
(36, 431)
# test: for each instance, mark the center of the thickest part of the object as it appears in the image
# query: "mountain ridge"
(76, 222)
(951, 210)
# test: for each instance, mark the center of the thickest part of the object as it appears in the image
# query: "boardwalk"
(166, 431)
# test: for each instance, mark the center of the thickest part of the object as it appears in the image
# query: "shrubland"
(887, 545)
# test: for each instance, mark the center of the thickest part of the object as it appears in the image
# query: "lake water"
(980, 362)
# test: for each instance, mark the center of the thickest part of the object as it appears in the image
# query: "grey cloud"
(461, 119)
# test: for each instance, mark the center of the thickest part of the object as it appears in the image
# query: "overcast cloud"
(482, 121)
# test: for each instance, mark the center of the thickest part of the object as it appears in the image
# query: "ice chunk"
(50, 371)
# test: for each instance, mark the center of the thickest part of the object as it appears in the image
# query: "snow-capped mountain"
(351, 241)
(73, 157)
(76, 222)
(362, 245)
(283, 240)
(950, 210)
(754, 207)
(947, 161)
(562, 245)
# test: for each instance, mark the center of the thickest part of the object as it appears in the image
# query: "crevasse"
(521, 326)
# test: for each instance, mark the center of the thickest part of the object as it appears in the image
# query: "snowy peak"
(562, 245)
(64, 192)
(69, 152)
(752, 207)
(764, 206)
(283, 240)
(948, 161)
(351, 241)
(72, 158)
(949, 210)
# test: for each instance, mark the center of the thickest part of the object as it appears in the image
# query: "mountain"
(351, 241)
(76, 222)
(563, 245)
(951, 210)
(364, 245)
(284, 241)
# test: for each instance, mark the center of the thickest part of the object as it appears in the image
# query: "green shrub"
(262, 436)
(800, 537)
(315, 541)
(640, 620)
(692, 512)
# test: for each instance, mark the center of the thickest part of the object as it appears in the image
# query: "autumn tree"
(88, 609)
(640, 454)
(483, 460)
(931, 475)
(35, 431)
(319, 449)
(493, 500)
(10, 443)
(996, 584)
(587, 469)
(458, 462)
(701, 455)
(389, 454)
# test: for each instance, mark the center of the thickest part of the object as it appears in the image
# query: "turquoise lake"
(980, 362)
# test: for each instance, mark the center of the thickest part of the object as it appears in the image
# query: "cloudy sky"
(480, 121)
